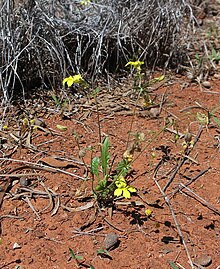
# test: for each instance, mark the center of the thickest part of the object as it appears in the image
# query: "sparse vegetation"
(117, 164)
(42, 44)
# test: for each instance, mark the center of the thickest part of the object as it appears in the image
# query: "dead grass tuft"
(43, 41)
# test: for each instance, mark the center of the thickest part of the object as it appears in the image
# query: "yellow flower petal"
(148, 212)
(118, 192)
(135, 64)
(121, 182)
(68, 81)
(77, 79)
(85, 2)
(126, 193)
(131, 189)
(154, 80)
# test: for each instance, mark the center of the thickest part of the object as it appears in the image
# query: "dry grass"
(44, 41)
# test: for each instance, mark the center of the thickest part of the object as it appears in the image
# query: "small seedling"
(104, 253)
(172, 265)
(56, 100)
(79, 259)
(215, 56)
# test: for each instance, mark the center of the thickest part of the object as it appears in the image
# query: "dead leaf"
(61, 127)
(50, 161)
(79, 208)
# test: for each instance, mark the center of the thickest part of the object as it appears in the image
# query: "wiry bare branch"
(44, 40)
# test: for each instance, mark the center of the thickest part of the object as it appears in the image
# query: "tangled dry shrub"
(42, 41)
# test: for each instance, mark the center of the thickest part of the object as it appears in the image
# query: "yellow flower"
(128, 156)
(148, 212)
(121, 182)
(136, 64)
(154, 80)
(32, 121)
(123, 189)
(85, 2)
(73, 79)
(5, 127)
(25, 122)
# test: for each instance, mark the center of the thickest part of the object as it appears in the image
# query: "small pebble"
(16, 246)
(82, 153)
(206, 84)
(111, 240)
(190, 75)
(39, 122)
(154, 112)
(204, 260)
(217, 76)
(24, 182)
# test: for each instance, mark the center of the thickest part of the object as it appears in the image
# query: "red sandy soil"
(45, 236)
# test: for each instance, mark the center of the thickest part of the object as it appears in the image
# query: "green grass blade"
(217, 121)
(73, 256)
(105, 156)
(56, 100)
(172, 265)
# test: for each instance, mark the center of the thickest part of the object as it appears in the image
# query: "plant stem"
(98, 118)
(151, 140)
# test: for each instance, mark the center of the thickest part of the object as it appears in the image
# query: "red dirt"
(145, 242)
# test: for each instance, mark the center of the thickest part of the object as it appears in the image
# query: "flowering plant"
(123, 189)
(72, 80)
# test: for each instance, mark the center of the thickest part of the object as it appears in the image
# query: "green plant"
(172, 265)
(104, 253)
(108, 181)
(205, 118)
(79, 259)
(215, 55)
(211, 114)
(199, 60)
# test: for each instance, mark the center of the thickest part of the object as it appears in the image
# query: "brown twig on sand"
(192, 180)
(31, 165)
(167, 200)
(27, 200)
(200, 199)
(181, 162)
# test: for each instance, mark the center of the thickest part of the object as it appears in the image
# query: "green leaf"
(91, 267)
(101, 185)
(103, 253)
(217, 121)
(56, 100)
(213, 111)
(105, 156)
(95, 166)
(73, 256)
(173, 266)
(123, 167)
